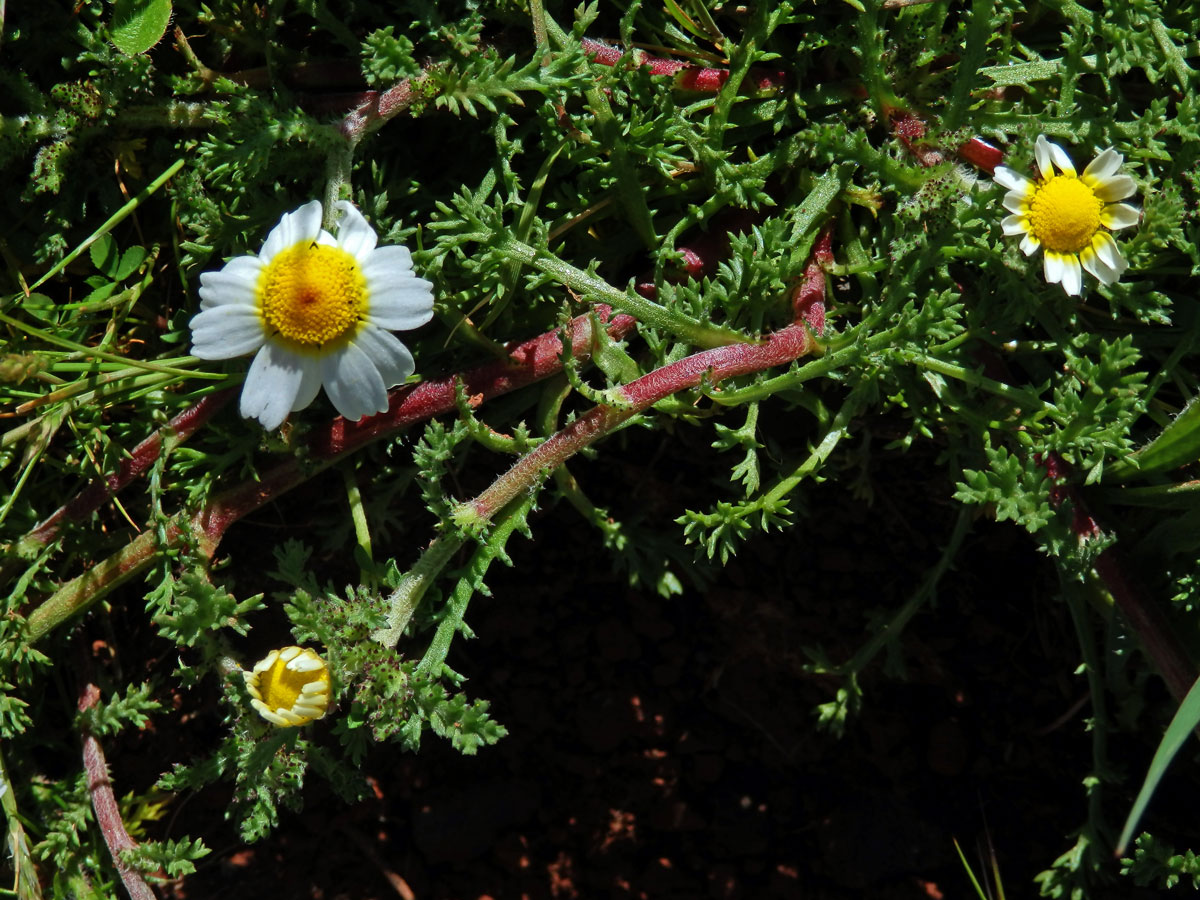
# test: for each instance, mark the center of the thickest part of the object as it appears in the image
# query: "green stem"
(628, 400)
(1018, 397)
(358, 516)
(608, 128)
(838, 429)
(51, 338)
(137, 200)
(596, 289)
(403, 601)
(470, 584)
(925, 593)
(1072, 590)
(27, 885)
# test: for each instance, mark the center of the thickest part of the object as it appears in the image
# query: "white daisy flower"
(317, 310)
(1066, 214)
(289, 686)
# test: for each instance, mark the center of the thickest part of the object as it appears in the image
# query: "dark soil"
(668, 748)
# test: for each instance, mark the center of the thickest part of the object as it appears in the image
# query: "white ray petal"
(389, 356)
(1015, 203)
(393, 261)
(403, 306)
(236, 282)
(1103, 166)
(303, 224)
(1014, 181)
(353, 383)
(1098, 267)
(1072, 279)
(1118, 187)
(1052, 267)
(223, 332)
(1109, 251)
(1119, 215)
(271, 385)
(1041, 152)
(1015, 225)
(1029, 244)
(1061, 159)
(310, 385)
(354, 235)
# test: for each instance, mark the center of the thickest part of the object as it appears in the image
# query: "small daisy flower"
(289, 687)
(317, 310)
(1066, 214)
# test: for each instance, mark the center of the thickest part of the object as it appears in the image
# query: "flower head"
(289, 687)
(317, 310)
(1066, 214)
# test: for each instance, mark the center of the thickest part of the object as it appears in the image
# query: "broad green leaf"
(130, 260)
(138, 25)
(1186, 719)
(104, 253)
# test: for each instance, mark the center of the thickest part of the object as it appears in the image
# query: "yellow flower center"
(1065, 214)
(312, 294)
(281, 687)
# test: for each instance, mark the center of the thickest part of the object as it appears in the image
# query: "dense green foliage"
(533, 182)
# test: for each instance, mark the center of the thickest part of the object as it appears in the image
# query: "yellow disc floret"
(312, 294)
(1065, 214)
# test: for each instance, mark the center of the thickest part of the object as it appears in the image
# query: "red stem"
(142, 457)
(1143, 615)
(104, 802)
(808, 300)
(713, 366)
(528, 362)
(687, 77)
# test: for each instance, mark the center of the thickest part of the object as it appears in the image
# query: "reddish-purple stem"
(104, 802)
(1142, 614)
(373, 108)
(808, 300)
(687, 77)
(528, 362)
(142, 457)
(713, 366)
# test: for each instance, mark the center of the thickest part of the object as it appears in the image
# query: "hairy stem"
(104, 802)
(597, 289)
(528, 362)
(712, 366)
(142, 457)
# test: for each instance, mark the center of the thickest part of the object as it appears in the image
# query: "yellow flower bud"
(289, 687)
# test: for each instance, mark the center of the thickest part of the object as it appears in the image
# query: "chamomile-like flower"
(1067, 214)
(317, 310)
(289, 686)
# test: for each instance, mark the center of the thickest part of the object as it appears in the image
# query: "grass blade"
(1186, 719)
